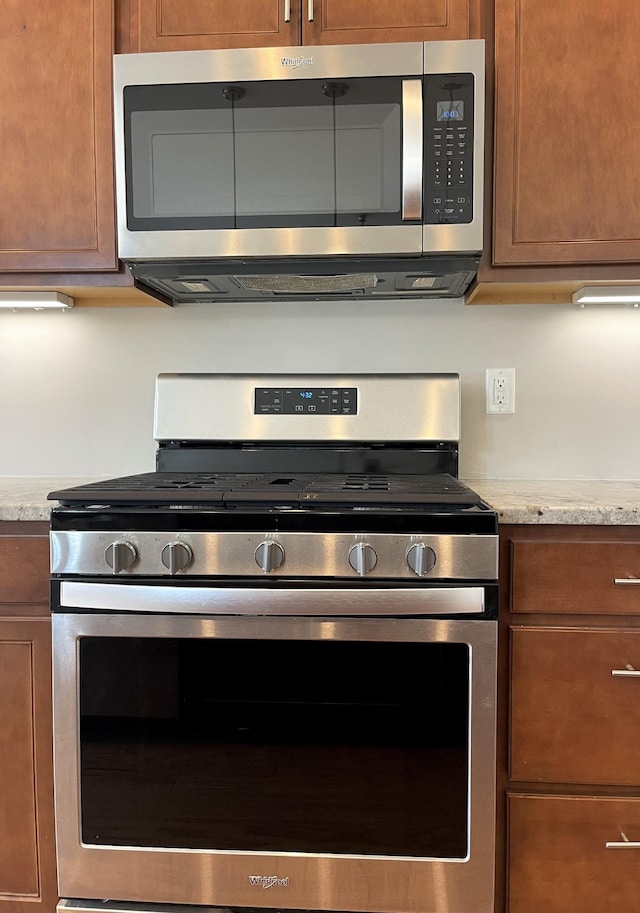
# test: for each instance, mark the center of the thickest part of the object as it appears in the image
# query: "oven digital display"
(306, 400)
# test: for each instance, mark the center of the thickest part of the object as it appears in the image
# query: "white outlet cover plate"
(508, 406)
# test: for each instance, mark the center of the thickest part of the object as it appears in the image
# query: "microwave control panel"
(449, 141)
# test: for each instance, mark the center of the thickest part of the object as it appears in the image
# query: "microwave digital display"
(450, 111)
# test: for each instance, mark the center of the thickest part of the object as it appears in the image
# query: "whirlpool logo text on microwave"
(269, 881)
(295, 62)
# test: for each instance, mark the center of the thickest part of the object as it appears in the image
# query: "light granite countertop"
(609, 503)
(25, 497)
(517, 501)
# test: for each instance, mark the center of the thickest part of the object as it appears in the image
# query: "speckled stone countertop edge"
(563, 501)
(525, 501)
(24, 498)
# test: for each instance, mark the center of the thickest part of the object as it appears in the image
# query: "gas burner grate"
(273, 490)
(172, 481)
(366, 483)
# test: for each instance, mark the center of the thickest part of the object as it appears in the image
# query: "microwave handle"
(412, 148)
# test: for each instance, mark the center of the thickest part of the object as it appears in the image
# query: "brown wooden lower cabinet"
(571, 707)
(27, 839)
(558, 859)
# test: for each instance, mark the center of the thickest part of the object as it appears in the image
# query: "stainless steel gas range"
(275, 656)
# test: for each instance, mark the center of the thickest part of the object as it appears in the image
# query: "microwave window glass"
(183, 163)
(300, 167)
(263, 162)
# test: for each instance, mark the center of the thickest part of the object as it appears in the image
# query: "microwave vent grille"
(310, 284)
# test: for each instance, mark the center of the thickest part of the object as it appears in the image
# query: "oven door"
(328, 763)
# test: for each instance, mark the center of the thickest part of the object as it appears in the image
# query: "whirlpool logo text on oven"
(269, 881)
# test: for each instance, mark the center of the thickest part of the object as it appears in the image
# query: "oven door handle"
(291, 601)
(412, 149)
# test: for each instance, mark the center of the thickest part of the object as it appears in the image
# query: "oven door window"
(275, 746)
(264, 155)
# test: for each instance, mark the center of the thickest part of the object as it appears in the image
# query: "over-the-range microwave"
(301, 173)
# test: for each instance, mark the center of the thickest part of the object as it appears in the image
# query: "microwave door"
(288, 168)
(412, 155)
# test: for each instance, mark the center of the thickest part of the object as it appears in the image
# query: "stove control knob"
(176, 556)
(421, 559)
(269, 556)
(120, 556)
(362, 558)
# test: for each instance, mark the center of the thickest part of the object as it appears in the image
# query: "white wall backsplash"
(77, 388)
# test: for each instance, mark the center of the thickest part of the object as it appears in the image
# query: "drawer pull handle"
(627, 581)
(627, 672)
(287, 10)
(624, 844)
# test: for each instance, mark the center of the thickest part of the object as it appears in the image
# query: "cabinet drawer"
(558, 860)
(24, 569)
(572, 721)
(575, 577)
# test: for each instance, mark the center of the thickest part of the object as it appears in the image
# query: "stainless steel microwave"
(307, 172)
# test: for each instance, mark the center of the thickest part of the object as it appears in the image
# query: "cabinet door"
(558, 858)
(363, 21)
(182, 25)
(157, 25)
(572, 720)
(566, 171)
(56, 180)
(27, 845)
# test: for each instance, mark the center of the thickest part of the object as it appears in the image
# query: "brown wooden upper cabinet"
(56, 180)
(567, 172)
(178, 25)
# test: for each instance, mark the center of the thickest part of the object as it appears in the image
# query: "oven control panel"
(306, 400)
(295, 555)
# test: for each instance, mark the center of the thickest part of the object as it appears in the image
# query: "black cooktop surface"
(274, 491)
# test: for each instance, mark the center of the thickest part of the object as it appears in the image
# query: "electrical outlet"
(501, 390)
